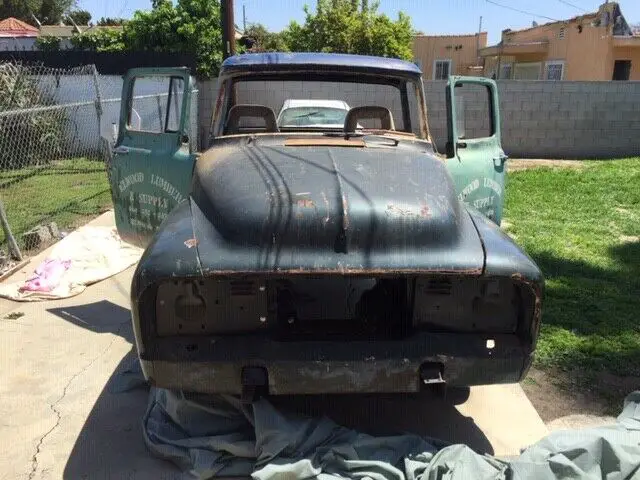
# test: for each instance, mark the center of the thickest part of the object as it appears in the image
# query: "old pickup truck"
(306, 258)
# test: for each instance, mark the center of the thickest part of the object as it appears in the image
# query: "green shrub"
(30, 133)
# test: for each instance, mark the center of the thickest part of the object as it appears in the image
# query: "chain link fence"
(57, 128)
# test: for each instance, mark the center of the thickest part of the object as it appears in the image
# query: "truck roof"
(341, 61)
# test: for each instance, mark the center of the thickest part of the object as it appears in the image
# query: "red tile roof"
(12, 27)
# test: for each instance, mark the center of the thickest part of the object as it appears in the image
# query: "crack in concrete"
(52, 406)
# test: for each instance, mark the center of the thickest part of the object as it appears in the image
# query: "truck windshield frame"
(411, 99)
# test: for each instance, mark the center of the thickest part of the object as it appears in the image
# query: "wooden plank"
(14, 269)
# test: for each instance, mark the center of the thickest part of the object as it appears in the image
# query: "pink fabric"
(47, 276)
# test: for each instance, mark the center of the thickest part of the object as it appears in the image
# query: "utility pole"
(478, 40)
(244, 18)
(228, 29)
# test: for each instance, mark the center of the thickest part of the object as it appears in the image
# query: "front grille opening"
(342, 308)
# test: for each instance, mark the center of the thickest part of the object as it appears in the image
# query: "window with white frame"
(441, 69)
(554, 70)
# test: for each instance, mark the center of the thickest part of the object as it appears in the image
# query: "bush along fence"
(39, 129)
(57, 128)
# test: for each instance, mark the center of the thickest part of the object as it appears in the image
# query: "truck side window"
(156, 104)
(474, 118)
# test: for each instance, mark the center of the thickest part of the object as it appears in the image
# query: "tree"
(47, 11)
(51, 12)
(190, 26)
(48, 44)
(79, 17)
(20, 9)
(111, 22)
(340, 26)
(265, 41)
(102, 40)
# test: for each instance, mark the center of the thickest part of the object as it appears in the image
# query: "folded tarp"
(216, 436)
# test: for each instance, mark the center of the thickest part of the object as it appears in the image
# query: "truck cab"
(159, 126)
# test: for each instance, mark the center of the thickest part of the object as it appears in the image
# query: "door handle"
(500, 161)
(121, 150)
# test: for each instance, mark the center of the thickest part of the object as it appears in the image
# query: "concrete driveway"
(61, 419)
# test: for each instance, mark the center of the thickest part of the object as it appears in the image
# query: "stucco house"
(442, 55)
(16, 35)
(598, 46)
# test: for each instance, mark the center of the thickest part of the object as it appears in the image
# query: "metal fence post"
(98, 100)
(13, 245)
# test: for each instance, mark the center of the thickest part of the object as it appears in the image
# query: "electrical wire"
(521, 11)
(572, 5)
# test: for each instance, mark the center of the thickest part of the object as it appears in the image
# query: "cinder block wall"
(557, 119)
(539, 119)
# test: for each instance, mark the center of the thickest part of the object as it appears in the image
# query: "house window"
(505, 71)
(526, 71)
(561, 33)
(441, 69)
(554, 70)
(622, 70)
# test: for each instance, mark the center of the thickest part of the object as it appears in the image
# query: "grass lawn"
(582, 227)
(69, 193)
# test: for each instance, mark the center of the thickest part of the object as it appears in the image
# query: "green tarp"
(216, 436)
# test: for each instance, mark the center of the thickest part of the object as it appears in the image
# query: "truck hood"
(310, 208)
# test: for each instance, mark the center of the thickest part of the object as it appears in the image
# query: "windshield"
(310, 101)
(302, 116)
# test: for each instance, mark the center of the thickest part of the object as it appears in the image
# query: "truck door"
(474, 154)
(152, 161)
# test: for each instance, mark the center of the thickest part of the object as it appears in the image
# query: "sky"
(433, 17)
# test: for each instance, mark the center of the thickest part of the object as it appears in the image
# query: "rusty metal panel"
(187, 307)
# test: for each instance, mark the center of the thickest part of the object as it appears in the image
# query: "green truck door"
(474, 154)
(152, 162)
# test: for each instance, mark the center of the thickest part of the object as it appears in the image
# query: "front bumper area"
(215, 364)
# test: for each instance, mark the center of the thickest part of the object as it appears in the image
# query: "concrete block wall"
(557, 119)
(540, 119)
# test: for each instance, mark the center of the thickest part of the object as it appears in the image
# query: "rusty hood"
(283, 208)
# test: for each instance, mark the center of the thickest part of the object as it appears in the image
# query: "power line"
(572, 5)
(521, 11)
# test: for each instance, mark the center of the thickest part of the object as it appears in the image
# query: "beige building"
(442, 55)
(596, 46)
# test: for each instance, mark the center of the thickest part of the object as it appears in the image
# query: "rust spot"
(326, 202)
(345, 213)
(339, 268)
(425, 211)
(305, 203)
(391, 208)
(192, 242)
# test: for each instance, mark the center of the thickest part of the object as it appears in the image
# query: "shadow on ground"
(589, 359)
(598, 309)
(111, 445)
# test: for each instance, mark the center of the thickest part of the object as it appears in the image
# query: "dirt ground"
(577, 397)
(516, 164)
